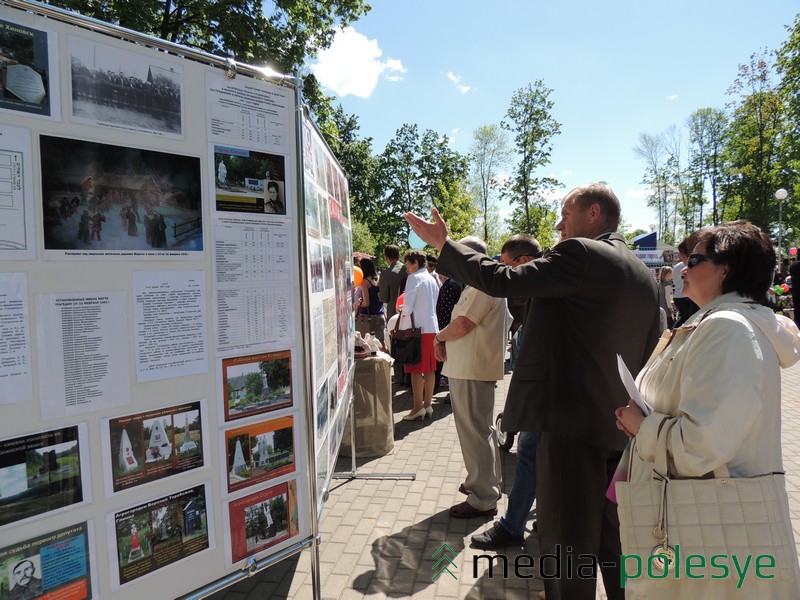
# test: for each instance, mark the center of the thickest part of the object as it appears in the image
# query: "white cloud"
(352, 65)
(638, 194)
(456, 79)
(566, 172)
(455, 130)
(672, 98)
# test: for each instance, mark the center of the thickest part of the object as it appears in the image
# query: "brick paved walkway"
(378, 537)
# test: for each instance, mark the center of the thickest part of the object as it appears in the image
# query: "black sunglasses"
(696, 259)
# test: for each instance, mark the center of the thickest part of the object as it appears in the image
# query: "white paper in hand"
(630, 387)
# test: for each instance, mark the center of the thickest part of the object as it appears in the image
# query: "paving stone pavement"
(378, 538)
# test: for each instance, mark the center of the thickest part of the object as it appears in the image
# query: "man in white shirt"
(472, 348)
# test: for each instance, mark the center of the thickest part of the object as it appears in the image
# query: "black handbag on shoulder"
(407, 344)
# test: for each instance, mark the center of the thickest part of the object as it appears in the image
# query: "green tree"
(416, 172)
(788, 66)
(282, 440)
(753, 142)
(279, 32)
(488, 153)
(707, 130)
(278, 372)
(458, 208)
(540, 221)
(532, 126)
(254, 384)
(363, 240)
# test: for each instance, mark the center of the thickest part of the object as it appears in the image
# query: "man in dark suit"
(391, 279)
(591, 299)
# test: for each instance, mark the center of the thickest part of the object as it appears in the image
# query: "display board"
(175, 314)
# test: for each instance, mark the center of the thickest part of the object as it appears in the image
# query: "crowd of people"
(711, 376)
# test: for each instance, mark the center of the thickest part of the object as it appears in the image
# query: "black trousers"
(577, 524)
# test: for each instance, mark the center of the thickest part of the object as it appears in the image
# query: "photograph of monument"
(24, 69)
(257, 383)
(260, 452)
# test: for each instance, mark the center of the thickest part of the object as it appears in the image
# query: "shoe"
(420, 414)
(496, 537)
(444, 383)
(462, 510)
(429, 411)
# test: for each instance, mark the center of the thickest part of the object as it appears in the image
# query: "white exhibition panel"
(172, 282)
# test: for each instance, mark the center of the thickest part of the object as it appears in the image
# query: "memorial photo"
(246, 181)
(128, 90)
(103, 199)
(256, 384)
(263, 519)
(259, 452)
(24, 69)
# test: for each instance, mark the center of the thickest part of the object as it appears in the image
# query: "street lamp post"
(780, 196)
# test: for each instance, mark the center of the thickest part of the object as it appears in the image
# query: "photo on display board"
(163, 531)
(311, 208)
(130, 90)
(263, 519)
(246, 181)
(54, 565)
(327, 266)
(256, 384)
(40, 472)
(316, 264)
(154, 445)
(308, 152)
(322, 411)
(259, 452)
(319, 165)
(324, 216)
(25, 70)
(101, 198)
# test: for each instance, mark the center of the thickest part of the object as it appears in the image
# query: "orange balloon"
(358, 275)
(400, 300)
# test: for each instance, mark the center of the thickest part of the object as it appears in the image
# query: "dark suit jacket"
(590, 300)
(389, 286)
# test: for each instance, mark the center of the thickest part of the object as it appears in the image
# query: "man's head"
(272, 191)
(589, 210)
(519, 249)
(475, 243)
(686, 247)
(391, 253)
(23, 572)
(431, 261)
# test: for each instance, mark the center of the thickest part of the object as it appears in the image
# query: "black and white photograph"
(127, 90)
(28, 71)
(103, 199)
(317, 274)
(327, 266)
(312, 208)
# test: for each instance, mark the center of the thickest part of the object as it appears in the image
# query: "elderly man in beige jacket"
(472, 348)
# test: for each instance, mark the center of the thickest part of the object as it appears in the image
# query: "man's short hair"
(272, 184)
(392, 252)
(475, 243)
(415, 256)
(603, 196)
(431, 258)
(689, 242)
(521, 244)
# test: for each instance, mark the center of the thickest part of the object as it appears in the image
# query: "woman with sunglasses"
(715, 388)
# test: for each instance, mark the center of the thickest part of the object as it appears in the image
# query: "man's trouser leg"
(523, 492)
(473, 407)
(576, 519)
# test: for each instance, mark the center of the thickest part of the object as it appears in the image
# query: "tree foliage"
(532, 126)
(488, 154)
(281, 33)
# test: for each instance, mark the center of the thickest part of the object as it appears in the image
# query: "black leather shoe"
(496, 537)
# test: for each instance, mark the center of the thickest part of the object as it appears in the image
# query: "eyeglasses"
(696, 259)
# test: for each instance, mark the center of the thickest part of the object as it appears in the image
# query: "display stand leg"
(316, 580)
(353, 473)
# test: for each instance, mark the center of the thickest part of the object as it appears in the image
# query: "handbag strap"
(397, 323)
(661, 466)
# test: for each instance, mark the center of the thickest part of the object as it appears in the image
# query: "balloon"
(358, 275)
(778, 290)
(793, 251)
(785, 287)
(415, 241)
(400, 301)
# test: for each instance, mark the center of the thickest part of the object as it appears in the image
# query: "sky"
(617, 69)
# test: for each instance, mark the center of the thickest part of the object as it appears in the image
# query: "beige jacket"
(719, 377)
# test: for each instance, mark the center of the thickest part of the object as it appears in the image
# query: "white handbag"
(717, 518)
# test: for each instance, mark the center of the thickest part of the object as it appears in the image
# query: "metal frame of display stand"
(353, 473)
